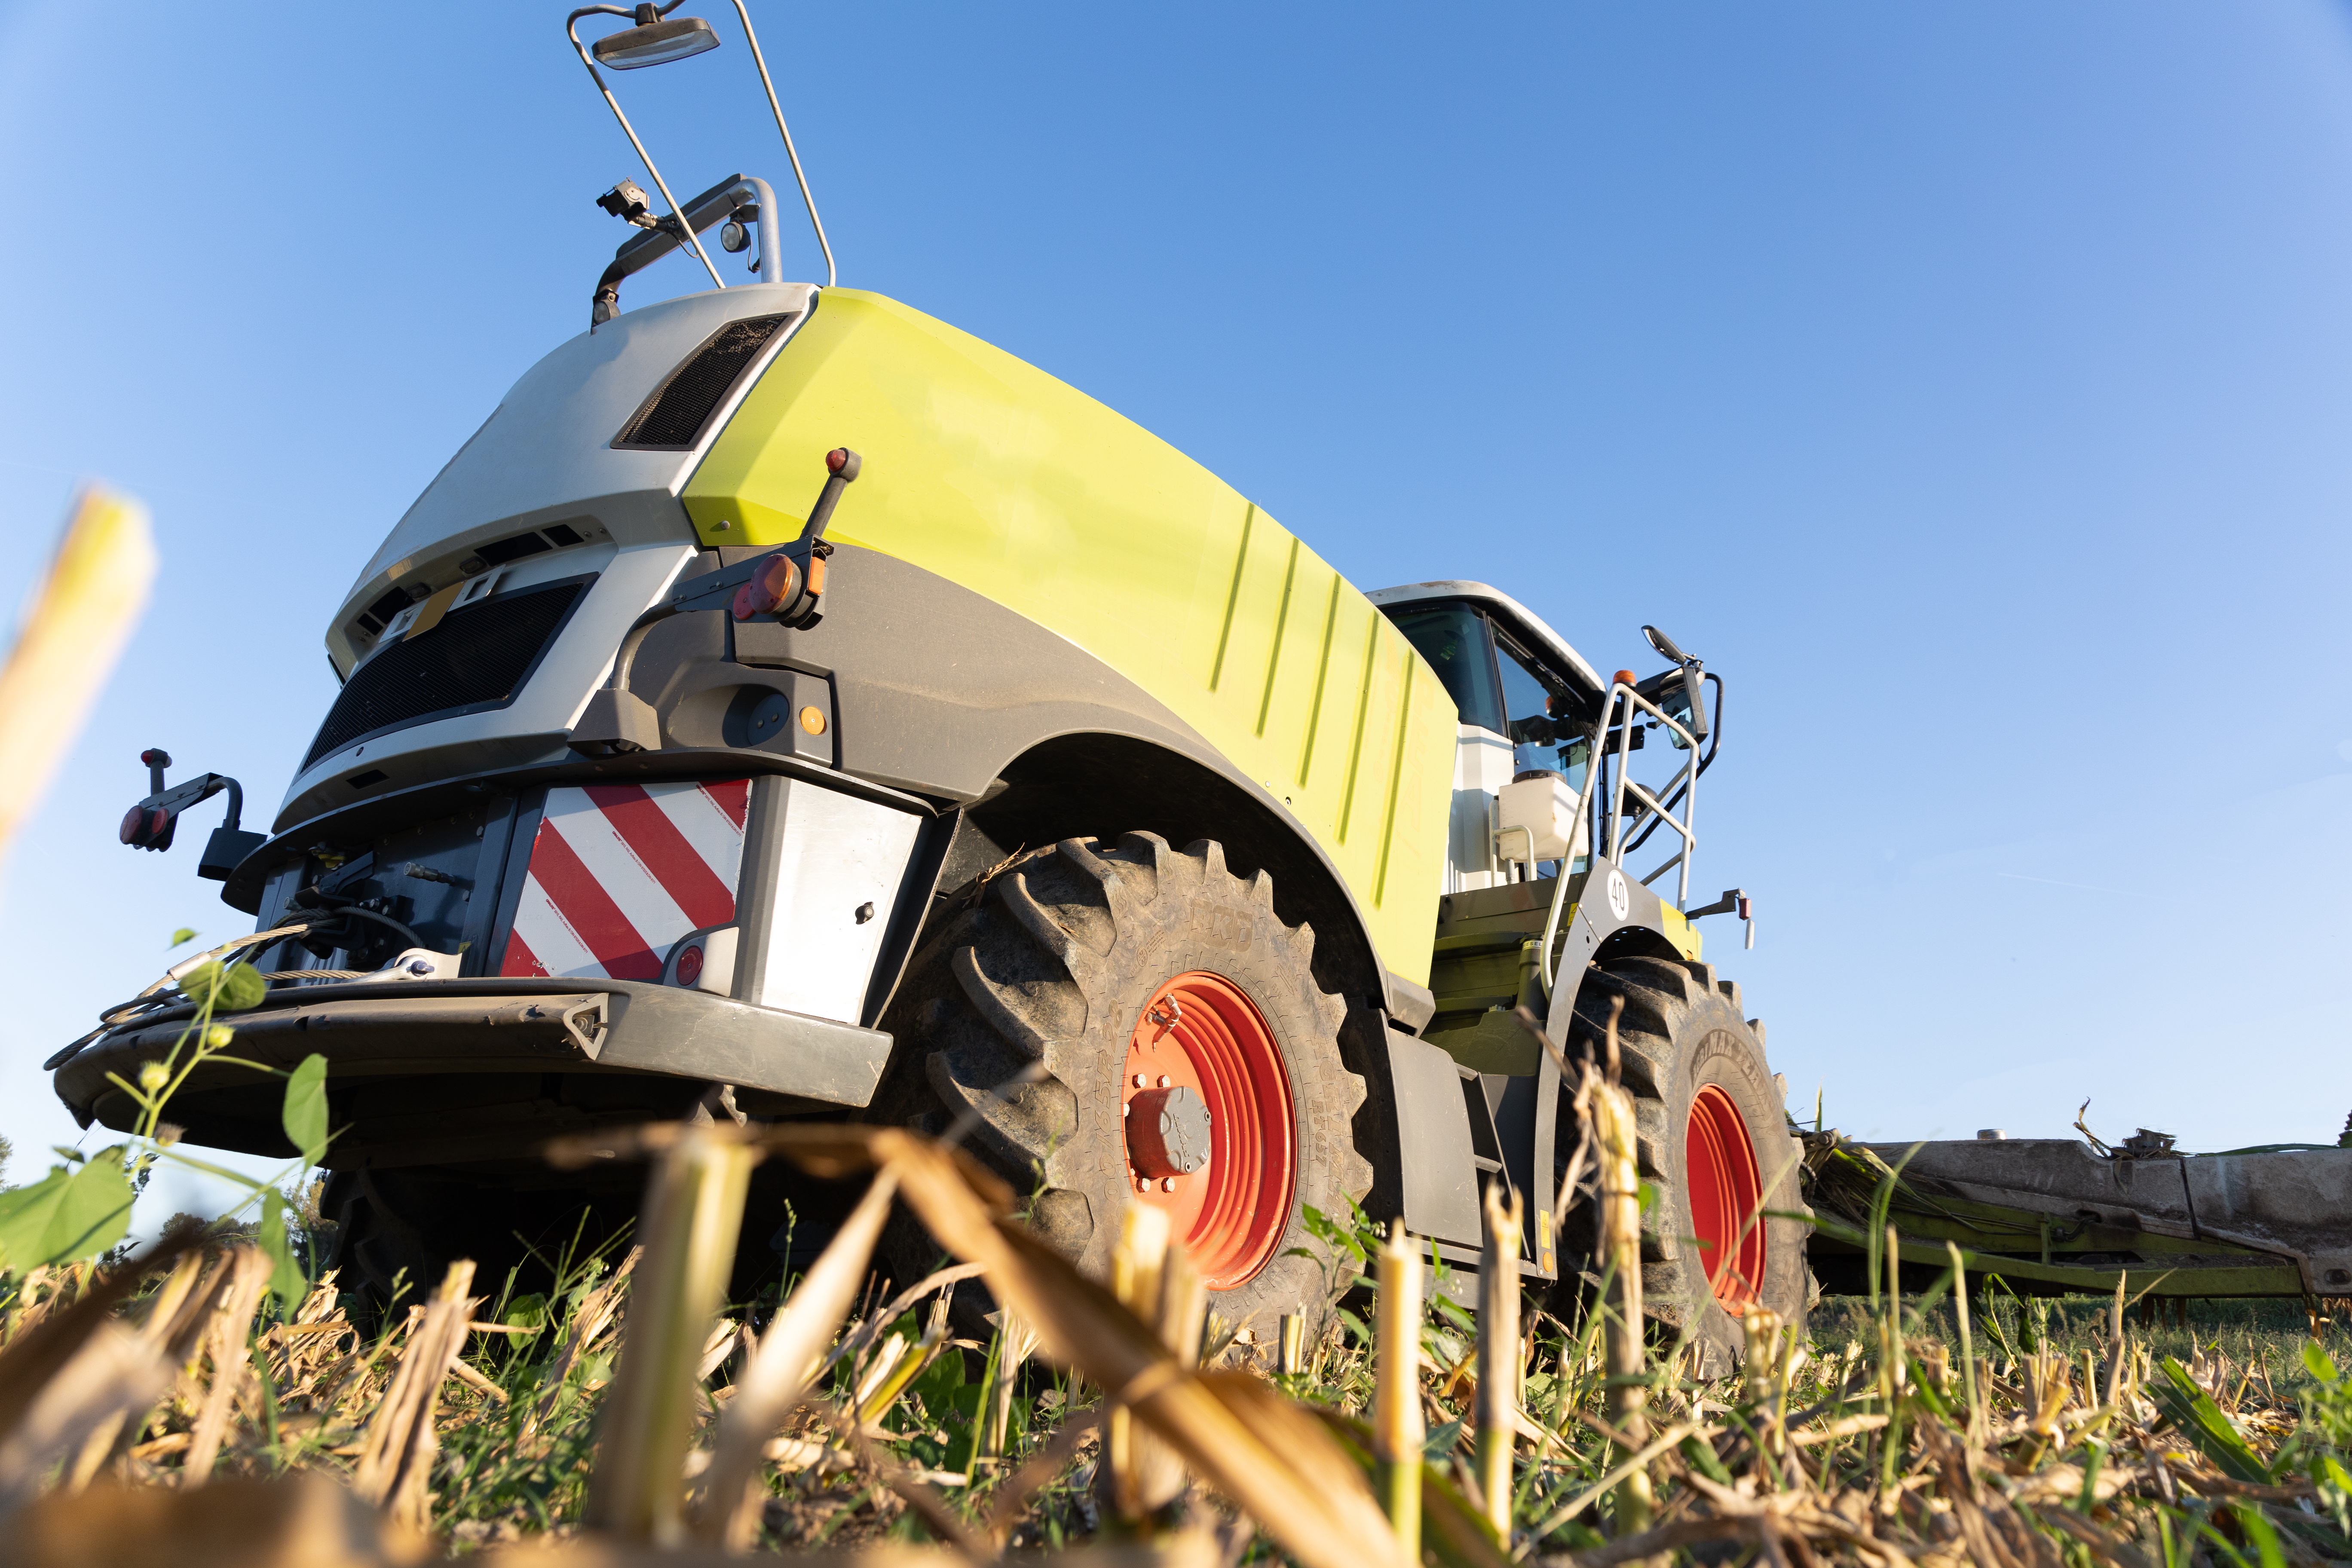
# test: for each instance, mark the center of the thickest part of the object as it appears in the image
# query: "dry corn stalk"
(596, 1313)
(1153, 1278)
(72, 1377)
(73, 631)
(1397, 1431)
(779, 1371)
(1611, 1112)
(304, 1520)
(693, 1211)
(248, 1276)
(396, 1457)
(1016, 1343)
(1499, 1364)
(1270, 1459)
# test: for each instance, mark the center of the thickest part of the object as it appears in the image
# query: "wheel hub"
(1726, 1198)
(1209, 1130)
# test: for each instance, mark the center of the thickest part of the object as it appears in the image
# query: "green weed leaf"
(184, 936)
(66, 1217)
(287, 1278)
(526, 1312)
(2193, 1410)
(2317, 1361)
(305, 1114)
(234, 989)
(2261, 1534)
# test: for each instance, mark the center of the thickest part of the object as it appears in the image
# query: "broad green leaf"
(287, 1278)
(182, 936)
(66, 1215)
(305, 1114)
(526, 1312)
(2261, 1534)
(231, 990)
(2201, 1421)
(2317, 1361)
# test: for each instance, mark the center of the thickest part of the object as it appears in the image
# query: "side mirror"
(1693, 679)
(1694, 690)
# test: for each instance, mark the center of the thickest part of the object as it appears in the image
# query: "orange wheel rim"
(1726, 1198)
(1202, 1033)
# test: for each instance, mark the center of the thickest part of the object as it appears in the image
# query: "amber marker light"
(771, 588)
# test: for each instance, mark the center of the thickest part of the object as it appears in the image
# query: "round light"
(772, 586)
(812, 721)
(689, 966)
(1623, 677)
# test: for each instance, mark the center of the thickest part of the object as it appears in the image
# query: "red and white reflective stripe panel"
(619, 872)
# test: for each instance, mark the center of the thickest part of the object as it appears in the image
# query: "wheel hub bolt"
(1167, 1134)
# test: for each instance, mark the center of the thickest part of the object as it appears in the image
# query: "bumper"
(501, 1062)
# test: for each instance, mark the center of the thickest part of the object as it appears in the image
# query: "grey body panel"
(940, 687)
(1439, 1168)
(489, 1026)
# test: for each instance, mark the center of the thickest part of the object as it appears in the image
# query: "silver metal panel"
(835, 855)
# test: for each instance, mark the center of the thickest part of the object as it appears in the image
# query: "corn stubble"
(164, 1411)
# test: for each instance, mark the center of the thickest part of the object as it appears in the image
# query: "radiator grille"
(673, 418)
(477, 658)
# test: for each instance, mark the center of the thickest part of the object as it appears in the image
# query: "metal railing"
(1612, 845)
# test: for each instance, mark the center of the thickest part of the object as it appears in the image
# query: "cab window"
(1453, 640)
(1547, 722)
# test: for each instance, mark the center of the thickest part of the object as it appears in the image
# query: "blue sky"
(1968, 384)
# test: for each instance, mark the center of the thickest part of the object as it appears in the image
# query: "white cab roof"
(1524, 622)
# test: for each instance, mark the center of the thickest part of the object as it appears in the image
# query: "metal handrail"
(571, 31)
(1547, 965)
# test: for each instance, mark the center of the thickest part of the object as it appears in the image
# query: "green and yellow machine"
(788, 705)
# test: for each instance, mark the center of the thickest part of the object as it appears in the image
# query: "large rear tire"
(1714, 1142)
(1162, 995)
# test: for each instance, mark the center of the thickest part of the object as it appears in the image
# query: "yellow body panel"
(1679, 931)
(989, 472)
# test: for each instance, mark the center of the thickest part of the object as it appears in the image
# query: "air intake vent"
(477, 658)
(673, 418)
